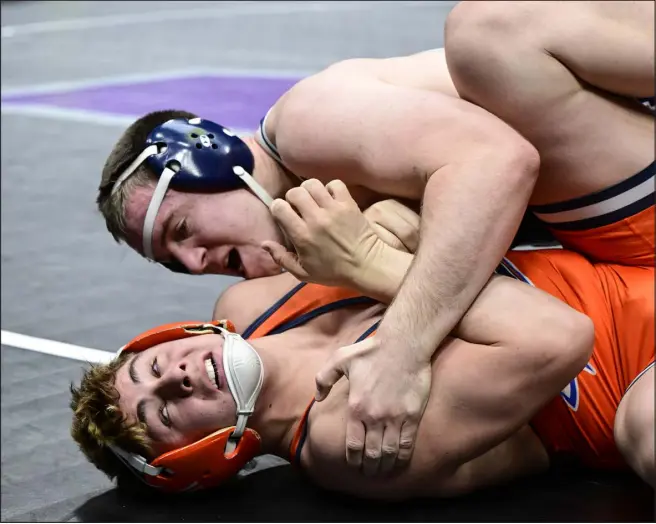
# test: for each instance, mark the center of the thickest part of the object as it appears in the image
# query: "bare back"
(588, 139)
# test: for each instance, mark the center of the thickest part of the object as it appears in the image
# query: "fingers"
(339, 191)
(285, 259)
(326, 378)
(337, 365)
(302, 201)
(285, 215)
(407, 442)
(318, 192)
(390, 448)
(355, 436)
(373, 444)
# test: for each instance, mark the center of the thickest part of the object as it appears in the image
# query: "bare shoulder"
(348, 123)
(246, 300)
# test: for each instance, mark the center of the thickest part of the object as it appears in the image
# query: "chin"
(263, 271)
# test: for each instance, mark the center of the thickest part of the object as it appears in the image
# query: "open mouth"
(234, 262)
(212, 372)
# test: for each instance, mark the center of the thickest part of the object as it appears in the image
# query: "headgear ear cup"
(205, 463)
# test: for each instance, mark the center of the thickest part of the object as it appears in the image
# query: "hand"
(332, 238)
(387, 397)
(396, 225)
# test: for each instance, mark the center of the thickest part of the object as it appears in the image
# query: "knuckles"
(353, 444)
(389, 450)
(372, 454)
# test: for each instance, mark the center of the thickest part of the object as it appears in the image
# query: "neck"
(283, 398)
(290, 361)
(273, 177)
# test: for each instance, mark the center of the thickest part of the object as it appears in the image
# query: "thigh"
(530, 63)
(634, 426)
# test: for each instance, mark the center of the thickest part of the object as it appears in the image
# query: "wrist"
(381, 272)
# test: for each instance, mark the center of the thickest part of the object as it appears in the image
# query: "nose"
(194, 259)
(174, 382)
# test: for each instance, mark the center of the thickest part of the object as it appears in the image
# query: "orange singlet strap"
(301, 304)
(300, 434)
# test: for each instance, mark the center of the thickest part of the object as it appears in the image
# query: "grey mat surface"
(64, 279)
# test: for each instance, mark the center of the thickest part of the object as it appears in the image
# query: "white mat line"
(79, 115)
(154, 16)
(59, 349)
(138, 78)
(73, 115)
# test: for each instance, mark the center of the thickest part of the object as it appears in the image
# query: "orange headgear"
(219, 456)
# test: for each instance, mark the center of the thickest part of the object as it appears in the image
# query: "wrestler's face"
(218, 233)
(169, 388)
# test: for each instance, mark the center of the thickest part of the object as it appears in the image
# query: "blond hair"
(126, 150)
(98, 421)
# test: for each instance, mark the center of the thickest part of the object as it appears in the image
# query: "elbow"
(582, 336)
(519, 160)
(572, 346)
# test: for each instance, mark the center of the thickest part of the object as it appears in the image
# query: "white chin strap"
(163, 186)
(245, 374)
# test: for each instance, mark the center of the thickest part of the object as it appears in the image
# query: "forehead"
(181, 347)
(181, 344)
(136, 207)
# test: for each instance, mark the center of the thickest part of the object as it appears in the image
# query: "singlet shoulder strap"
(301, 432)
(263, 139)
(302, 304)
(267, 144)
(267, 318)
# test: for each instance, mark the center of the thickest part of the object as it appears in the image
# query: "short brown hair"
(98, 421)
(126, 150)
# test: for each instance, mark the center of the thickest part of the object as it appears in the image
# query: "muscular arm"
(473, 174)
(522, 347)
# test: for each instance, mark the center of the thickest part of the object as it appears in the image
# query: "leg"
(634, 427)
(549, 69)
(533, 64)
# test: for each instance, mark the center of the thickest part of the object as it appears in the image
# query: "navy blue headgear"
(192, 155)
(206, 153)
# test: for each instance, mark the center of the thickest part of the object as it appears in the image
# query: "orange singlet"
(579, 422)
(615, 225)
(620, 302)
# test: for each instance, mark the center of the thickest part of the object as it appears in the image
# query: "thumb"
(285, 259)
(326, 378)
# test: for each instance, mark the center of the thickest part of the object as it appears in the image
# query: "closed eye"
(181, 231)
(155, 368)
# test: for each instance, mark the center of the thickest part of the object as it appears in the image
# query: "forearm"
(517, 347)
(485, 393)
(470, 214)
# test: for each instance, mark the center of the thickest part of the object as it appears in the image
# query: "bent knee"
(634, 428)
(486, 41)
(479, 21)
